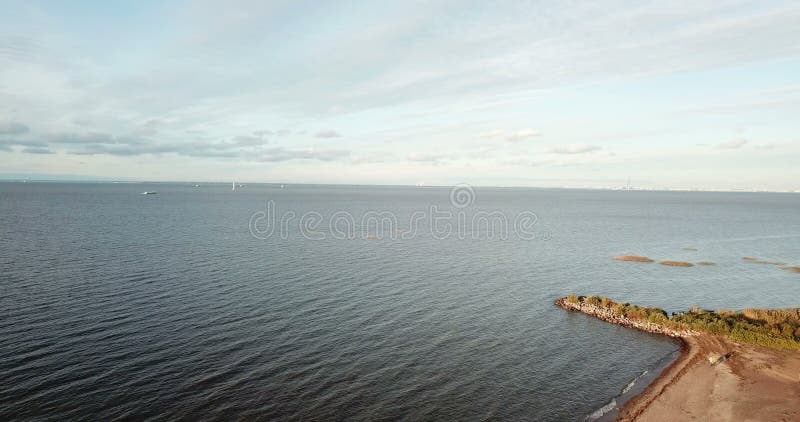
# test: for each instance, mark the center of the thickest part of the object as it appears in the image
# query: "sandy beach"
(754, 384)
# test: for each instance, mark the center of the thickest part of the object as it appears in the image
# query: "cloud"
(574, 149)
(247, 140)
(327, 134)
(245, 147)
(373, 157)
(123, 150)
(81, 138)
(522, 134)
(33, 150)
(525, 162)
(12, 128)
(148, 128)
(494, 133)
(23, 142)
(425, 157)
(733, 144)
(767, 146)
(277, 154)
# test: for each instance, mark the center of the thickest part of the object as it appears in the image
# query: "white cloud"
(574, 149)
(526, 162)
(733, 144)
(425, 157)
(373, 157)
(522, 134)
(327, 134)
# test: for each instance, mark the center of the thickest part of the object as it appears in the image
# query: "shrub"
(776, 328)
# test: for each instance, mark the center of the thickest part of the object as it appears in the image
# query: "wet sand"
(755, 384)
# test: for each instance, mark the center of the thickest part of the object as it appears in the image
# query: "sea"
(365, 303)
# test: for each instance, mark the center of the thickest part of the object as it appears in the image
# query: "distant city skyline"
(684, 95)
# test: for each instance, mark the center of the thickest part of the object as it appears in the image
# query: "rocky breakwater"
(608, 314)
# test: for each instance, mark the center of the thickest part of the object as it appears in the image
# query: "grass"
(774, 328)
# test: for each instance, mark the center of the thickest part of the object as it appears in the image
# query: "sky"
(679, 94)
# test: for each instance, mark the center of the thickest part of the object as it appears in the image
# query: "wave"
(599, 413)
(633, 382)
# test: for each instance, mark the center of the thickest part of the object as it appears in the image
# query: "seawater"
(121, 305)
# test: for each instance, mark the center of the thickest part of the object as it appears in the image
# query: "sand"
(754, 384)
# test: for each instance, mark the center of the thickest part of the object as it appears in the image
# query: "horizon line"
(600, 188)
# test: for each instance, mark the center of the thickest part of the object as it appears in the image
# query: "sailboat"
(233, 186)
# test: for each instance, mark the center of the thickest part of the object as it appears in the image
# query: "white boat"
(147, 192)
(233, 185)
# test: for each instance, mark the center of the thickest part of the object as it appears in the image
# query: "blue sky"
(579, 94)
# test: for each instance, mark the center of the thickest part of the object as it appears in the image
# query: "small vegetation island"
(773, 328)
(676, 264)
(671, 263)
(633, 258)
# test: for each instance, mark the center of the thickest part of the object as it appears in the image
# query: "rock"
(607, 315)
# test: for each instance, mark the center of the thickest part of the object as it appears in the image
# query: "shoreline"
(756, 383)
(630, 409)
(634, 407)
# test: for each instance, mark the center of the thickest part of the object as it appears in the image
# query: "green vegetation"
(775, 328)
